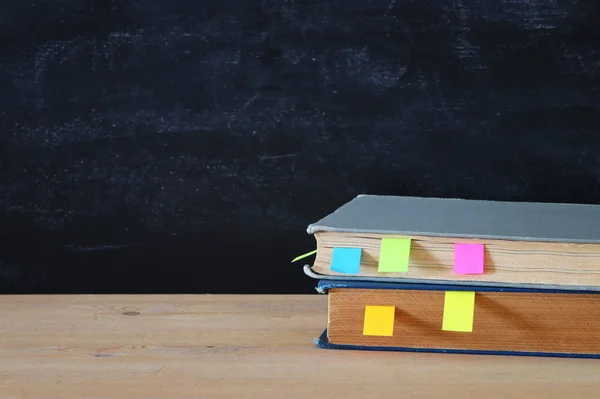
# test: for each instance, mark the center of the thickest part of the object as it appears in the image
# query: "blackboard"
(154, 146)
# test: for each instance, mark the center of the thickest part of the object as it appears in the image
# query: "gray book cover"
(449, 217)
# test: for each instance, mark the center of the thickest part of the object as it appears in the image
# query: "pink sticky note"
(468, 258)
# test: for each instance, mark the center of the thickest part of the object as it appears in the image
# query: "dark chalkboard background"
(152, 146)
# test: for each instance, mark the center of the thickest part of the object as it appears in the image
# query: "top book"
(414, 239)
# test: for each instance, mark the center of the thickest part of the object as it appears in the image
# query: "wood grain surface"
(432, 258)
(196, 346)
(503, 321)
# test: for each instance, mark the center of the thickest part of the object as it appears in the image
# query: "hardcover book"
(461, 242)
(460, 319)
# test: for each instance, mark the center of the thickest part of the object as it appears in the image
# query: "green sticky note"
(394, 254)
(304, 256)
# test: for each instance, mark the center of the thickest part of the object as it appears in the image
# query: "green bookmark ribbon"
(304, 256)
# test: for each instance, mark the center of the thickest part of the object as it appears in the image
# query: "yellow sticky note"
(394, 255)
(459, 307)
(379, 320)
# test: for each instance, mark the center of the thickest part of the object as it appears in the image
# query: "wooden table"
(212, 346)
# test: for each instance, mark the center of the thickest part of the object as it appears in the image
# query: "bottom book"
(460, 319)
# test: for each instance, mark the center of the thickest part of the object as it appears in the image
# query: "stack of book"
(460, 276)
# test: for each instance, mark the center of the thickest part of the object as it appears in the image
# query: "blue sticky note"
(346, 260)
